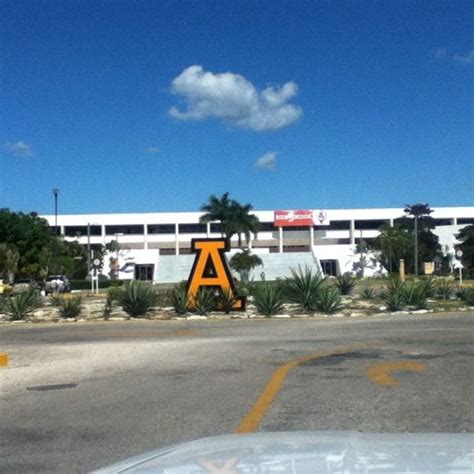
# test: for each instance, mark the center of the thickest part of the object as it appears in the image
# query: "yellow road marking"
(381, 374)
(253, 418)
(3, 359)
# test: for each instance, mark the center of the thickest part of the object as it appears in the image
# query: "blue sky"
(147, 106)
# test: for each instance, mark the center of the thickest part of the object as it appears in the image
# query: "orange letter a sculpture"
(210, 269)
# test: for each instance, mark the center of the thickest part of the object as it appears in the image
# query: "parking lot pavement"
(75, 397)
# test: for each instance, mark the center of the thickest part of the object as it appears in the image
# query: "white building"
(156, 246)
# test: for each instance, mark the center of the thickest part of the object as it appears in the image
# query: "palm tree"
(233, 217)
(243, 262)
(242, 222)
(417, 211)
(217, 209)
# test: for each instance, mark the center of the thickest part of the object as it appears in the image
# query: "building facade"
(330, 236)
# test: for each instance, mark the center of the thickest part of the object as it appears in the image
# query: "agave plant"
(467, 296)
(180, 299)
(70, 307)
(429, 286)
(394, 294)
(56, 299)
(345, 283)
(204, 301)
(368, 293)
(137, 298)
(226, 300)
(414, 294)
(329, 300)
(445, 289)
(268, 298)
(22, 304)
(303, 288)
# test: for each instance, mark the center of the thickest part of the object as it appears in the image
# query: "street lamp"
(56, 192)
(117, 235)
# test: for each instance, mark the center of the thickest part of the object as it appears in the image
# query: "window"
(372, 224)
(161, 228)
(440, 222)
(295, 228)
(192, 228)
(465, 220)
(144, 272)
(216, 228)
(329, 267)
(335, 225)
(267, 227)
(124, 229)
(167, 251)
(81, 230)
(295, 248)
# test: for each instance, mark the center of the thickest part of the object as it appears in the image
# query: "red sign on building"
(293, 218)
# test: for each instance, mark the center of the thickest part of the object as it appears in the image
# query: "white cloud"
(443, 54)
(233, 98)
(467, 58)
(268, 161)
(19, 148)
(152, 150)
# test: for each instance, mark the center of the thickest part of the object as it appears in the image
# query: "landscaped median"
(303, 295)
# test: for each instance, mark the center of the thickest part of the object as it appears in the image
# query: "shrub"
(109, 304)
(226, 300)
(468, 296)
(429, 286)
(445, 289)
(329, 300)
(345, 283)
(303, 288)
(137, 298)
(268, 298)
(114, 293)
(180, 299)
(86, 284)
(394, 300)
(414, 294)
(368, 293)
(70, 307)
(22, 304)
(204, 301)
(56, 299)
(164, 298)
(393, 295)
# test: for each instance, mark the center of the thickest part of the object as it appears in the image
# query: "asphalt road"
(78, 396)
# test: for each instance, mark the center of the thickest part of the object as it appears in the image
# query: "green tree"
(425, 243)
(394, 243)
(243, 262)
(466, 236)
(9, 258)
(233, 217)
(241, 222)
(35, 244)
(217, 209)
(33, 239)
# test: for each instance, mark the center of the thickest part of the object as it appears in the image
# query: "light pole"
(416, 245)
(118, 249)
(89, 248)
(56, 192)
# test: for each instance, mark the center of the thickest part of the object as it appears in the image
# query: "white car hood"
(310, 452)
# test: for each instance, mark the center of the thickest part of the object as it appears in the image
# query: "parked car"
(57, 284)
(25, 284)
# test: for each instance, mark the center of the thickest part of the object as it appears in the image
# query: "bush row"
(309, 291)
